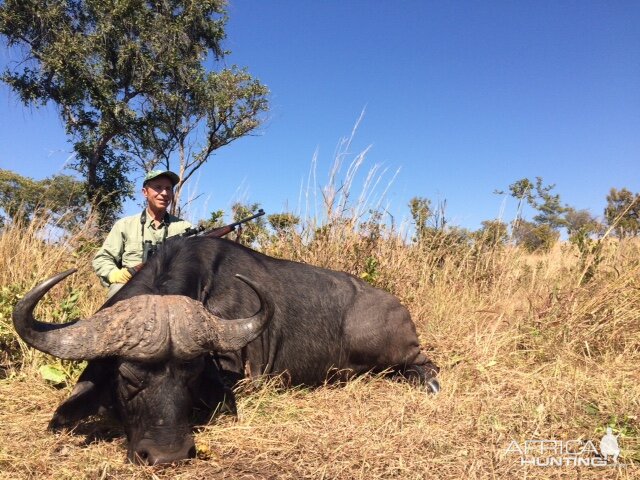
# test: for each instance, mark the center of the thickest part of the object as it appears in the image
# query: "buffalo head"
(155, 348)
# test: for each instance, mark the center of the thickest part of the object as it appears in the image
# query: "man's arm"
(109, 257)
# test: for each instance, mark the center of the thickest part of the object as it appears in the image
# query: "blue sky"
(459, 99)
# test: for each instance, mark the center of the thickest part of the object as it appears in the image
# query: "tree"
(420, 208)
(224, 105)
(521, 190)
(283, 224)
(551, 212)
(251, 231)
(543, 232)
(215, 220)
(623, 212)
(535, 237)
(539, 197)
(581, 222)
(61, 197)
(493, 233)
(129, 80)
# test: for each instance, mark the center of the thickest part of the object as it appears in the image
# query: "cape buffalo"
(149, 345)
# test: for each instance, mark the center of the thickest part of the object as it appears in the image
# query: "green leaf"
(53, 374)
(592, 409)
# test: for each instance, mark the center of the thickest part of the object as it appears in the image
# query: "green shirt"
(123, 246)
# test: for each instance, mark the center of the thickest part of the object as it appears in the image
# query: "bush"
(535, 238)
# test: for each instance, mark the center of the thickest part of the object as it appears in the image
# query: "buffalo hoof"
(57, 424)
(433, 386)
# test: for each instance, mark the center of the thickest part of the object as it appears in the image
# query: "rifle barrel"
(222, 231)
(244, 220)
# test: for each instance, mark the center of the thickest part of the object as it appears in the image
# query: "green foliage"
(68, 309)
(623, 212)
(374, 229)
(522, 191)
(283, 223)
(226, 105)
(590, 255)
(129, 80)
(85, 246)
(540, 234)
(421, 212)
(60, 197)
(432, 232)
(581, 223)
(61, 373)
(107, 185)
(9, 346)
(371, 272)
(56, 371)
(443, 245)
(625, 425)
(582, 227)
(548, 205)
(535, 237)
(52, 373)
(493, 233)
(255, 229)
(215, 220)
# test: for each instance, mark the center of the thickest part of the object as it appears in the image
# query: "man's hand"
(121, 275)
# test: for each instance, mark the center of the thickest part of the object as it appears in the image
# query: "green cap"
(161, 173)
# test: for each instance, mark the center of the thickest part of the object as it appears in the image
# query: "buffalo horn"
(232, 335)
(142, 328)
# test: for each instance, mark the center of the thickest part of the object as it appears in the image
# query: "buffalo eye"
(133, 383)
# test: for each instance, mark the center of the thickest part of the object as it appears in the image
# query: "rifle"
(220, 231)
(150, 249)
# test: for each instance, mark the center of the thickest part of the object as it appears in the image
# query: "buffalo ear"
(214, 396)
(90, 396)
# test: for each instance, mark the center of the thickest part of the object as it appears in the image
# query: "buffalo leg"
(88, 397)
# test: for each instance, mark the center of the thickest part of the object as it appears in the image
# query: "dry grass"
(526, 350)
(30, 253)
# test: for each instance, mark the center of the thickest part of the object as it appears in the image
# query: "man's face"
(159, 193)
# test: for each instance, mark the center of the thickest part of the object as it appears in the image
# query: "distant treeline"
(62, 198)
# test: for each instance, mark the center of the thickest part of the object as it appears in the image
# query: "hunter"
(133, 236)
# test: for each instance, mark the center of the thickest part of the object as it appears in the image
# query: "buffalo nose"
(148, 453)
